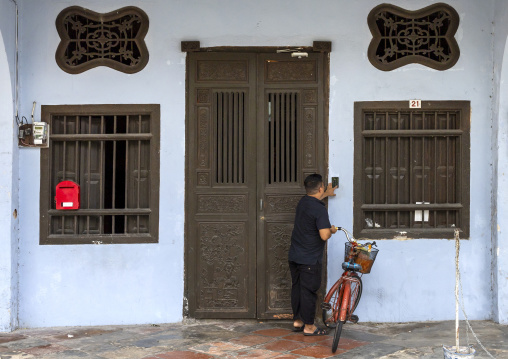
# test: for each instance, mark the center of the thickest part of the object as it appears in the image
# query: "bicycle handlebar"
(352, 239)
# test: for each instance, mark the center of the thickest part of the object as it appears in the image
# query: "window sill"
(99, 239)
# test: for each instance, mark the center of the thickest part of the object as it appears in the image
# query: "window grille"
(230, 137)
(282, 137)
(401, 37)
(112, 153)
(90, 39)
(411, 169)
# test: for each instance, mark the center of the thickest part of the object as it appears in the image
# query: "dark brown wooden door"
(255, 129)
(290, 122)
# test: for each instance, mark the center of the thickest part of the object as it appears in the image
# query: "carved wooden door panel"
(221, 186)
(291, 145)
(252, 130)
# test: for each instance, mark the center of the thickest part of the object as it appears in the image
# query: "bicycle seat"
(355, 267)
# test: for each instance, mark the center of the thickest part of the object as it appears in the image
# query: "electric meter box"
(67, 195)
(33, 135)
(40, 133)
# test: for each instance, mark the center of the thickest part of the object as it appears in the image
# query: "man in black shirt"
(312, 229)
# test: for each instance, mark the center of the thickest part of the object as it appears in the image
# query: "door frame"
(194, 46)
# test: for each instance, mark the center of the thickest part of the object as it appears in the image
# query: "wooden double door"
(255, 129)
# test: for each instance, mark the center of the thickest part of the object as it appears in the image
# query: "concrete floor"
(228, 339)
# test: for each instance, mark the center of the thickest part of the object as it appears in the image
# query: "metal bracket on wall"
(190, 46)
(322, 46)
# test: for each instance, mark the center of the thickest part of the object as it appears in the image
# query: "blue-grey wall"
(143, 283)
(8, 171)
(500, 161)
(408, 275)
(110, 284)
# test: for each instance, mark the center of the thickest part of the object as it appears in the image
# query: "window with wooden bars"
(112, 153)
(411, 172)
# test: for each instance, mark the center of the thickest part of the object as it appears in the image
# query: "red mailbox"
(67, 195)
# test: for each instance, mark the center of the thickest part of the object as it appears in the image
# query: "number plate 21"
(415, 103)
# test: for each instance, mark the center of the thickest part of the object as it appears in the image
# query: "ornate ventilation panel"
(90, 39)
(425, 36)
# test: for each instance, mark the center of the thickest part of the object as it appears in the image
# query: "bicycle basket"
(364, 258)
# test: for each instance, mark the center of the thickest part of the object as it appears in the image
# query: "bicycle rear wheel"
(331, 304)
(336, 336)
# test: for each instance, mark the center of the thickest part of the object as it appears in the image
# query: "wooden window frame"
(47, 203)
(462, 171)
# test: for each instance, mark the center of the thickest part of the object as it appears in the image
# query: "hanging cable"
(457, 273)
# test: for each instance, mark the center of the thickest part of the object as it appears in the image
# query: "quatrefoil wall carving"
(424, 36)
(90, 39)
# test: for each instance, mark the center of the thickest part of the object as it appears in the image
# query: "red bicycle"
(343, 297)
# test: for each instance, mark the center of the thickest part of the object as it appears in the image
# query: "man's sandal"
(298, 329)
(317, 332)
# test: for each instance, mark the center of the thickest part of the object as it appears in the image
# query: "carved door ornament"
(425, 36)
(90, 39)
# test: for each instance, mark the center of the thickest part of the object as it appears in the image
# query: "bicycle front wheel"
(336, 336)
(356, 293)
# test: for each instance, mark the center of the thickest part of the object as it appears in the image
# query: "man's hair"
(312, 183)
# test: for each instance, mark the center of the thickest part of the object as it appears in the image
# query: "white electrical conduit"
(16, 60)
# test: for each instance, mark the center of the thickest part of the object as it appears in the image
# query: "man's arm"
(329, 193)
(326, 233)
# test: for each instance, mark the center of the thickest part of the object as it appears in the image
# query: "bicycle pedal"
(326, 306)
(354, 319)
